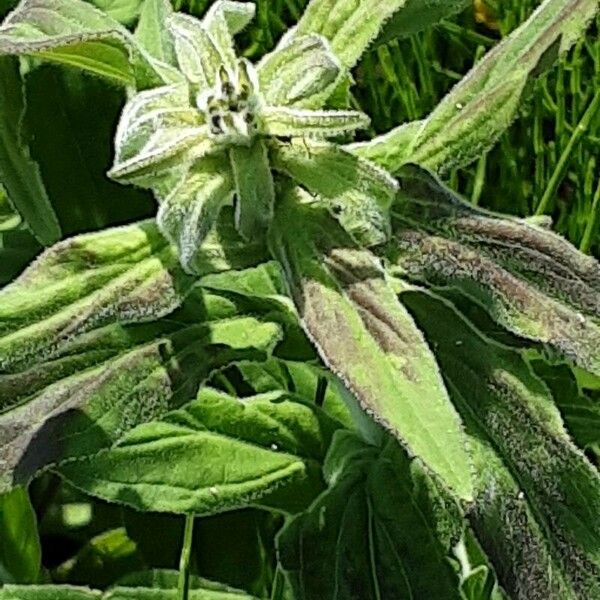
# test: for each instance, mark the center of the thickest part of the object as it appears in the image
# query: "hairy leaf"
(472, 116)
(188, 214)
(152, 32)
(530, 280)
(20, 551)
(265, 451)
(417, 15)
(349, 25)
(381, 530)
(19, 173)
(301, 72)
(73, 32)
(74, 377)
(367, 338)
(537, 497)
(255, 190)
(358, 193)
(143, 586)
(124, 11)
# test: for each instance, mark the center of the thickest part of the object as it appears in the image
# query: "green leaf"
(261, 451)
(101, 561)
(141, 586)
(417, 15)
(129, 274)
(148, 585)
(472, 116)
(349, 25)
(530, 280)
(75, 33)
(368, 339)
(158, 130)
(381, 530)
(19, 173)
(20, 551)
(152, 32)
(537, 497)
(296, 122)
(48, 592)
(190, 211)
(301, 72)
(255, 190)
(580, 411)
(75, 377)
(358, 193)
(124, 11)
(58, 116)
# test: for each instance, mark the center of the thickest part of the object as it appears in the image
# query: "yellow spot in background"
(485, 15)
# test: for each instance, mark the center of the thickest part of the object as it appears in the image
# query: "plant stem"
(563, 162)
(590, 230)
(184, 561)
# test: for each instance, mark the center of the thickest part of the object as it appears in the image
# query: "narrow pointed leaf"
(158, 131)
(300, 72)
(19, 173)
(264, 450)
(152, 32)
(197, 55)
(350, 25)
(191, 210)
(473, 115)
(387, 527)
(369, 340)
(73, 32)
(358, 192)
(531, 281)
(255, 189)
(295, 122)
(537, 497)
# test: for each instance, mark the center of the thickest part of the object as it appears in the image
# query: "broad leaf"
(537, 497)
(368, 339)
(531, 281)
(349, 25)
(124, 11)
(19, 173)
(74, 377)
(73, 32)
(381, 530)
(143, 586)
(263, 451)
(20, 551)
(417, 15)
(472, 116)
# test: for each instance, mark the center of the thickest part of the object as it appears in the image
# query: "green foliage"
(349, 381)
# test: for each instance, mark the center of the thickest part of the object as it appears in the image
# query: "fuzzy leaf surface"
(75, 376)
(264, 450)
(75, 33)
(349, 25)
(537, 496)
(367, 338)
(356, 191)
(530, 280)
(472, 116)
